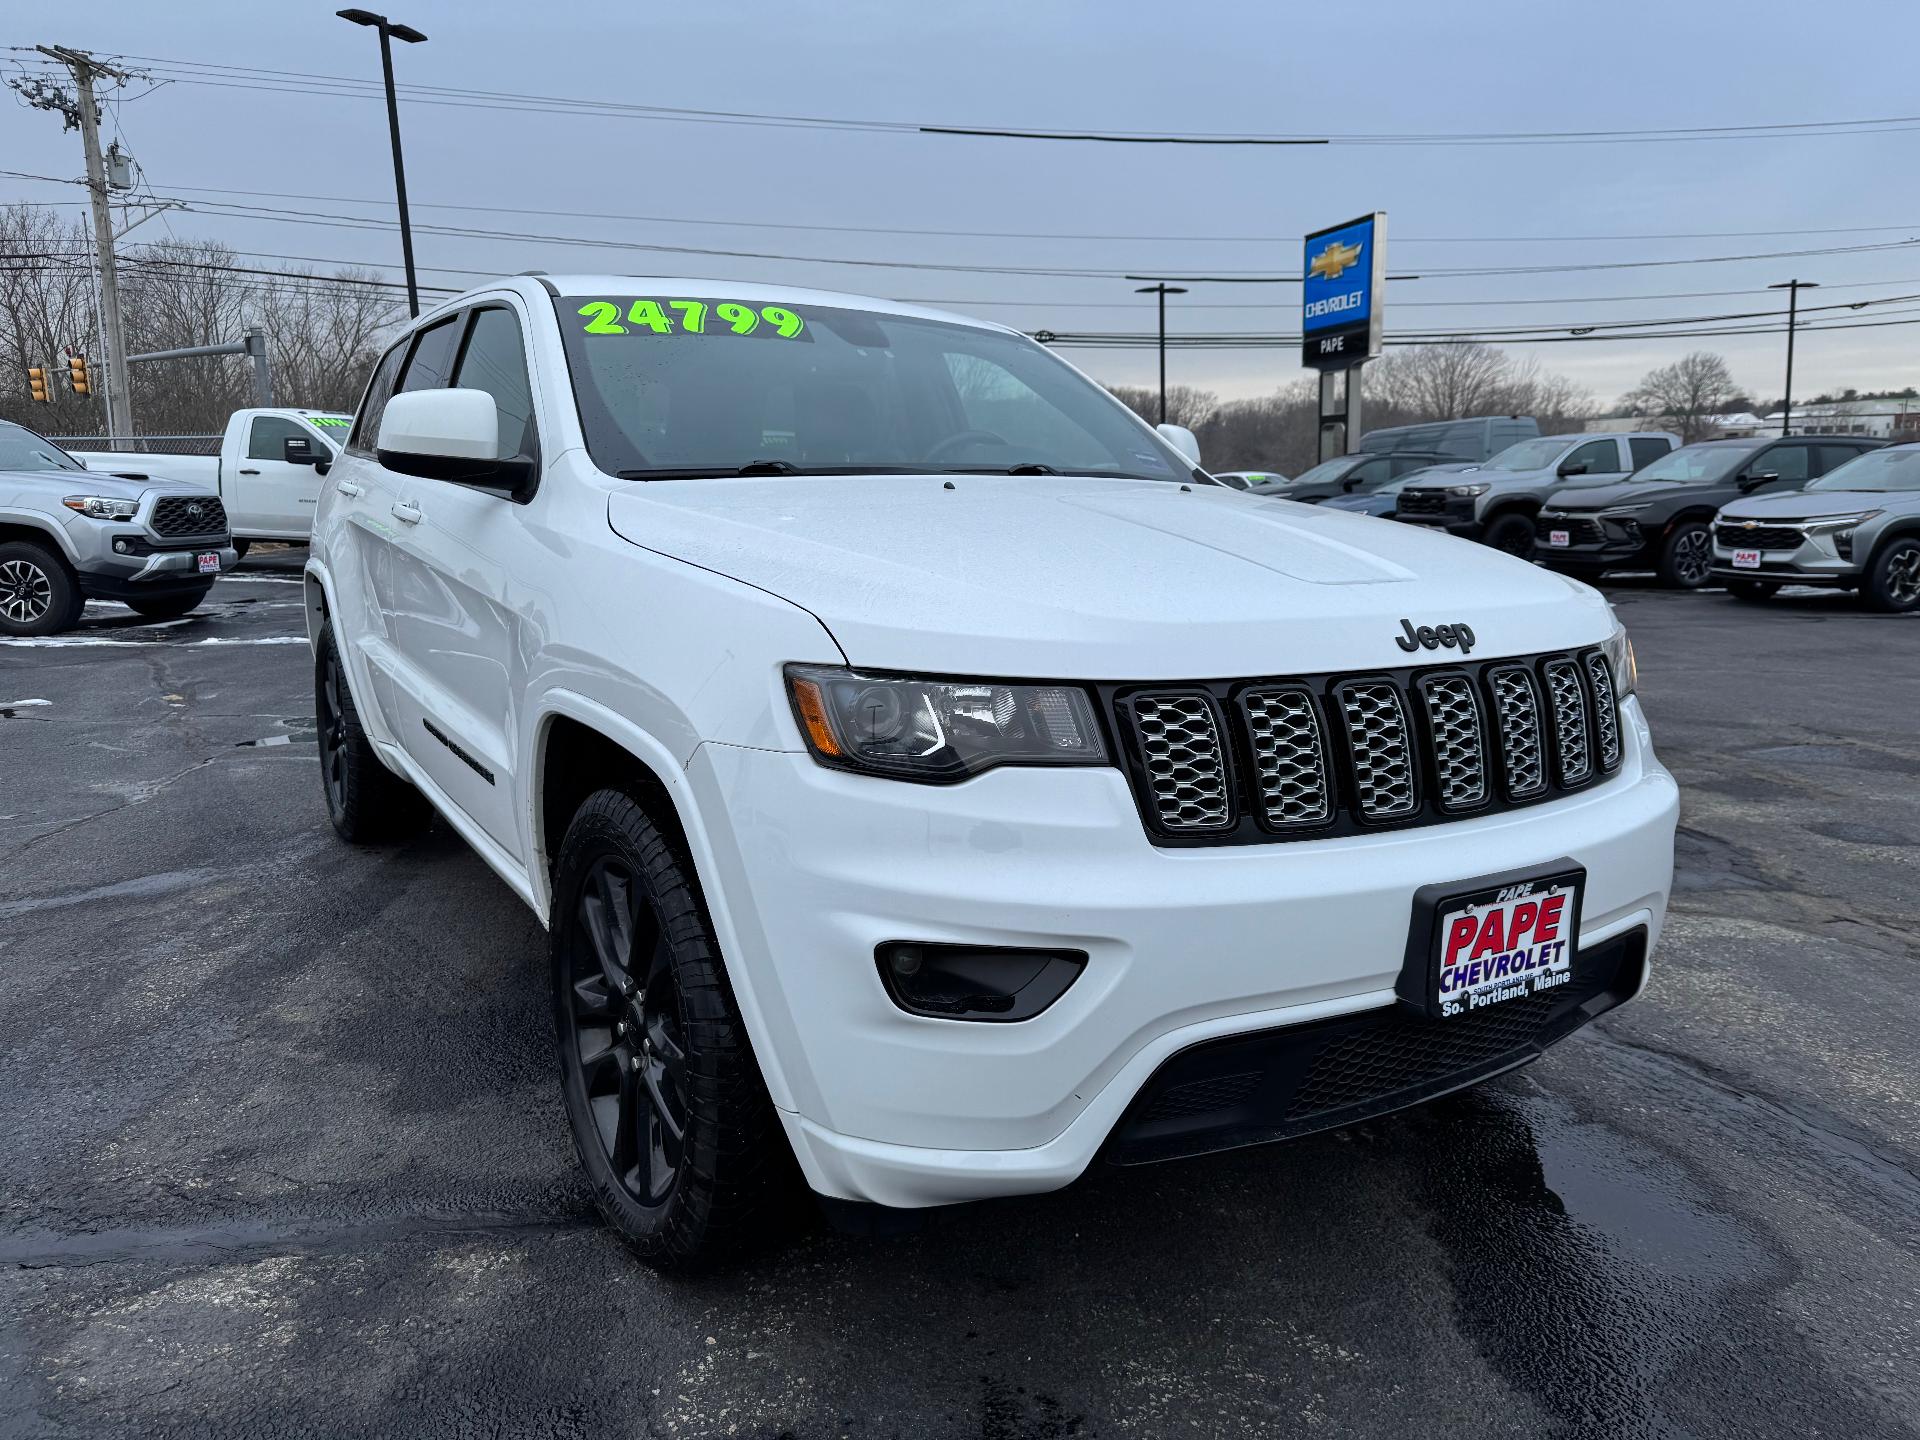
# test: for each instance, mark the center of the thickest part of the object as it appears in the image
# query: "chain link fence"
(143, 444)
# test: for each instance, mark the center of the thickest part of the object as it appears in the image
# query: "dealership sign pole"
(1342, 314)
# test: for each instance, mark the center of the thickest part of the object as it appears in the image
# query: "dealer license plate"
(1559, 537)
(1481, 944)
(1746, 559)
(209, 563)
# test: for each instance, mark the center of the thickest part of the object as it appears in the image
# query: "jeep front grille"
(1179, 739)
(1232, 762)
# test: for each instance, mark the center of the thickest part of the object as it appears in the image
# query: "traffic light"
(77, 372)
(37, 382)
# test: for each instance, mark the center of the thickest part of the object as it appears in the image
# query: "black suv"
(1355, 473)
(1658, 518)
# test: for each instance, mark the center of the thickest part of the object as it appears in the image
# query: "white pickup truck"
(267, 472)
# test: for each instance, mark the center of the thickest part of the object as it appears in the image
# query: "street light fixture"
(389, 31)
(1793, 289)
(1163, 291)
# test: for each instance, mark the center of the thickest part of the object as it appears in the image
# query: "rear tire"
(1686, 559)
(670, 1116)
(169, 607)
(1511, 535)
(38, 593)
(1893, 579)
(366, 801)
(1752, 591)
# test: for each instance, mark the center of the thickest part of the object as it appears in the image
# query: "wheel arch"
(35, 531)
(1685, 515)
(1906, 528)
(577, 746)
(1527, 506)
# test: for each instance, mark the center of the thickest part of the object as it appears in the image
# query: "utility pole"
(1793, 289)
(1163, 290)
(83, 113)
(391, 30)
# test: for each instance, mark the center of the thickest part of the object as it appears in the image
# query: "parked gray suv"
(69, 534)
(1857, 527)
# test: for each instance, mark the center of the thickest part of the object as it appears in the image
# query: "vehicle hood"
(1638, 492)
(108, 483)
(1099, 579)
(1804, 504)
(1497, 479)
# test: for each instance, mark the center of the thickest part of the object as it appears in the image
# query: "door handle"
(406, 514)
(347, 487)
(249, 472)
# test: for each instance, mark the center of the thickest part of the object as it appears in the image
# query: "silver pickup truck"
(69, 534)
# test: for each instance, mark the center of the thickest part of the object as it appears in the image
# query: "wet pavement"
(283, 1154)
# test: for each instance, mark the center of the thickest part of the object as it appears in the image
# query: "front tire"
(1686, 559)
(669, 1114)
(38, 594)
(366, 801)
(1512, 535)
(169, 607)
(1893, 579)
(1753, 592)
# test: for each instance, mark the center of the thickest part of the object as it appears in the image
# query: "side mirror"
(1753, 482)
(298, 450)
(322, 466)
(1182, 439)
(451, 435)
(1572, 467)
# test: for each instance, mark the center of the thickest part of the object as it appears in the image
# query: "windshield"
(21, 449)
(678, 388)
(1897, 469)
(1528, 454)
(1696, 462)
(1326, 470)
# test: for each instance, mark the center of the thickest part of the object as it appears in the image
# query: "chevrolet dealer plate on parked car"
(1503, 940)
(1559, 537)
(1746, 559)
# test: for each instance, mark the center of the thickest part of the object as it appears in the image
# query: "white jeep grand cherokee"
(929, 778)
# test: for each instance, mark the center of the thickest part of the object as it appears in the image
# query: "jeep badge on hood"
(1432, 637)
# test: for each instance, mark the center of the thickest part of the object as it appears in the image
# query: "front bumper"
(1457, 519)
(816, 868)
(1816, 560)
(1621, 543)
(151, 571)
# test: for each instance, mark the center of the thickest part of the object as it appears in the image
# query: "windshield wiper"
(1028, 467)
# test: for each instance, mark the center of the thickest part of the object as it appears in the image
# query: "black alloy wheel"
(1686, 561)
(330, 714)
(622, 1008)
(366, 801)
(1893, 580)
(670, 1116)
(1512, 535)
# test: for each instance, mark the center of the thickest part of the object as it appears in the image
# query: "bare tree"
(1443, 382)
(1186, 405)
(46, 310)
(1688, 394)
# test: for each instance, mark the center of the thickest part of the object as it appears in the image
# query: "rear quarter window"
(1647, 449)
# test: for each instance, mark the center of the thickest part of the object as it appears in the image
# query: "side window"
(1789, 462)
(1828, 456)
(431, 363)
(267, 432)
(495, 361)
(1602, 457)
(1370, 472)
(1407, 464)
(1646, 449)
(366, 425)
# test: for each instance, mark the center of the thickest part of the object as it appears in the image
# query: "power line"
(240, 76)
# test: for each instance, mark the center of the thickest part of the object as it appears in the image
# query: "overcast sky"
(1394, 66)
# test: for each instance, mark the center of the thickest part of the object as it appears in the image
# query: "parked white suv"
(929, 780)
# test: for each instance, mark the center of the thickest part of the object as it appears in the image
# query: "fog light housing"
(1843, 544)
(975, 982)
(122, 547)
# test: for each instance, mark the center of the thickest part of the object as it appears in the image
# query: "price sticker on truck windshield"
(647, 316)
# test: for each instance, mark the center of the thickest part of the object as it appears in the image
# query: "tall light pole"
(1793, 289)
(390, 31)
(1163, 291)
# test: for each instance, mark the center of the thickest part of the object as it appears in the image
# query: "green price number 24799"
(690, 317)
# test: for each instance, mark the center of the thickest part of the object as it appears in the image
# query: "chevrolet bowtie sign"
(1344, 282)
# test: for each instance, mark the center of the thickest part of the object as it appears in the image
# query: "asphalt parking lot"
(284, 1153)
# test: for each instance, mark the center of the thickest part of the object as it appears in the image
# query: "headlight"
(1612, 510)
(938, 731)
(1822, 523)
(102, 507)
(1619, 653)
(1467, 492)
